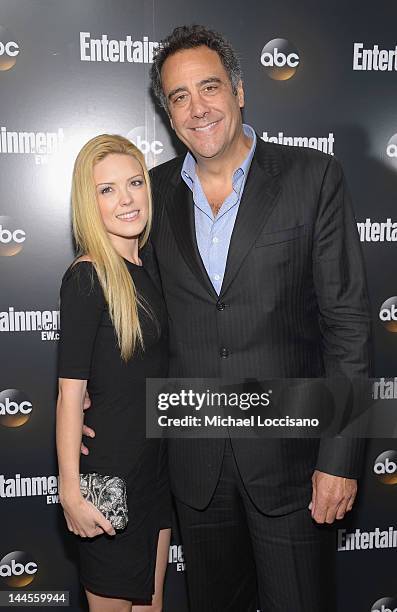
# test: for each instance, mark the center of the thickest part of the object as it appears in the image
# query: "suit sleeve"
(344, 314)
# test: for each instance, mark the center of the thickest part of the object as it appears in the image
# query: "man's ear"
(240, 94)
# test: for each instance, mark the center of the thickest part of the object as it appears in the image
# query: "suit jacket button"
(224, 353)
(220, 306)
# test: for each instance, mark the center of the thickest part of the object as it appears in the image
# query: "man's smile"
(206, 128)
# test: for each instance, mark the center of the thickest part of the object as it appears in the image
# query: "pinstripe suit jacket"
(295, 305)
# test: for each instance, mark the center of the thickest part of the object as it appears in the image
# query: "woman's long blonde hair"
(92, 238)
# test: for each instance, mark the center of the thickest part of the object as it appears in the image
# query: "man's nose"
(198, 107)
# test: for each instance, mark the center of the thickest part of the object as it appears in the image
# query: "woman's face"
(121, 195)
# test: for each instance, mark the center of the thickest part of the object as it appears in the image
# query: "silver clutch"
(108, 494)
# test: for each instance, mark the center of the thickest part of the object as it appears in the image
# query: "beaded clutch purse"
(108, 494)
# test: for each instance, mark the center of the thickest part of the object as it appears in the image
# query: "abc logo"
(150, 147)
(388, 314)
(11, 240)
(386, 604)
(280, 59)
(385, 467)
(18, 569)
(9, 49)
(15, 408)
(391, 150)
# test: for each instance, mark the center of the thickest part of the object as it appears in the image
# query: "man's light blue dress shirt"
(213, 234)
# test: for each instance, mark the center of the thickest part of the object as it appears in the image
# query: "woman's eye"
(137, 182)
(105, 190)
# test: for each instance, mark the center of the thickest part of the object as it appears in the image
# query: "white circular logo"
(391, 151)
(15, 408)
(385, 467)
(388, 314)
(385, 604)
(18, 569)
(280, 59)
(146, 142)
(11, 237)
(9, 49)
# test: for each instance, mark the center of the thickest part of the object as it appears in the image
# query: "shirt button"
(224, 353)
(215, 240)
(217, 277)
(220, 306)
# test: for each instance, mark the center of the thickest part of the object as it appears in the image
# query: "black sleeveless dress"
(122, 565)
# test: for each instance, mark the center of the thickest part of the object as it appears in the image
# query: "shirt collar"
(188, 171)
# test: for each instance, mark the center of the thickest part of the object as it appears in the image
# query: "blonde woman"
(113, 336)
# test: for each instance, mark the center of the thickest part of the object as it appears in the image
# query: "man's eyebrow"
(212, 79)
(175, 91)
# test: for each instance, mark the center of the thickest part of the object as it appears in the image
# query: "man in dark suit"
(263, 278)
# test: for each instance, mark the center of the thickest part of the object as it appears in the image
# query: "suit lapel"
(180, 209)
(150, 264)
(259, 198)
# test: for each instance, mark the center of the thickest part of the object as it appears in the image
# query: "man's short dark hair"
(190, 37)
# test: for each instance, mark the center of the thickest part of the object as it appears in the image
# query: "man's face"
(203, 110)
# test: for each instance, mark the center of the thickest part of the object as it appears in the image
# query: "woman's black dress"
(122, 565)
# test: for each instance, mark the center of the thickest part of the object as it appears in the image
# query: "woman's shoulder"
(81, 259)
(81, 276)
(82, 265)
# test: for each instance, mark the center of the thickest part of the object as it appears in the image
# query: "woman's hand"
(83, 519)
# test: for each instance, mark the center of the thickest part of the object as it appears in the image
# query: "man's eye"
(179, 99)
(210, 88)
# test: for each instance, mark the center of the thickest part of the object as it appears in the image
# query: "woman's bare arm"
(81, 516)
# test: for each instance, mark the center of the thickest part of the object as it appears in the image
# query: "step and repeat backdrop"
(316, 74)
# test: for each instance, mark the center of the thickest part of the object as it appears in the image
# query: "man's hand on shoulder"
(332, 497)
(87, 431)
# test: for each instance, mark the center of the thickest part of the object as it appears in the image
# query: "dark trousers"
(236, 555)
